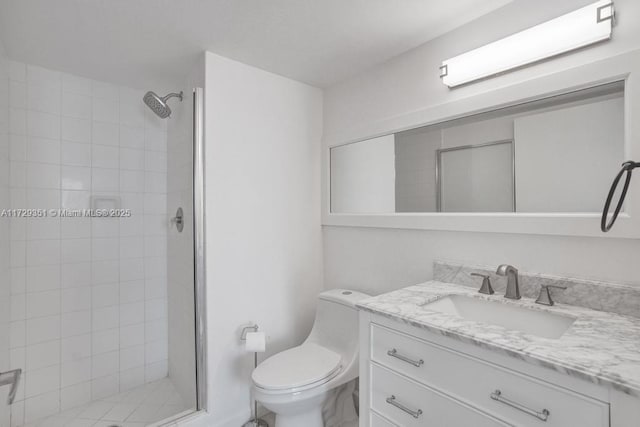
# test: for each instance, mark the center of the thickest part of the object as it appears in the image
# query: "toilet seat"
(298, 368)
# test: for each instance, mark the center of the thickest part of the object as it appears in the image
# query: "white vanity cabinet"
(412, 377)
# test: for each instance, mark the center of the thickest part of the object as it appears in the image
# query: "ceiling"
(149, 43)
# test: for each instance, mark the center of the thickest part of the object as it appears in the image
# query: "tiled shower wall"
(4, 228)
(88, 296)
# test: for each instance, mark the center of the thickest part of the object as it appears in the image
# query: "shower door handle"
(11, 378)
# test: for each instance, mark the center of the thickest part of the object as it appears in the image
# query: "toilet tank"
(336, 322)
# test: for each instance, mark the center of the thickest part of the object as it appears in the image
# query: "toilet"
(295, 383)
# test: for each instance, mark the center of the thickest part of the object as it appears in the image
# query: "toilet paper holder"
(245, 331)
(255, 421)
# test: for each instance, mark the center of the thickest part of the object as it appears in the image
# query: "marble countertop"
(600, 347)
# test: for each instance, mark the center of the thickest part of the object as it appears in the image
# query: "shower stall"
(100, 251)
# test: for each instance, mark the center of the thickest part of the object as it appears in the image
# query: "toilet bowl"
(295, 383)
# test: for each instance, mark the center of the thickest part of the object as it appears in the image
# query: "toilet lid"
(296, 367)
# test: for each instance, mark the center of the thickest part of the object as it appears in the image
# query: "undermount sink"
(535, 322)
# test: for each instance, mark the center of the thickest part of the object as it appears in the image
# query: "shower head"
(159, 104)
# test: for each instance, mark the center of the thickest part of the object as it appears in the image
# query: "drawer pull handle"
(392, 401)
(543, 415)
(394, 353)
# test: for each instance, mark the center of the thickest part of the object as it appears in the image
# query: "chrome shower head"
(159, 104)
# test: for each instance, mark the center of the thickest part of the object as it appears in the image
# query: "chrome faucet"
(513, 286)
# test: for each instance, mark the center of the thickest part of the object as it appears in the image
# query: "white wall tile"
(76, 130)
(42, 355)
(105, 91)
(76, 299)
(105, 386)
(131, 378)
(105, 318)
(43, 150)
(43, 252)
(105, 295)
(132, 114)
(17, 334)
(105, 272)
(75, 178)
(131, 159)
(44, 98)
(105, 249)
(17, 121)
(132, 335)
(42, 406)
(40, 175)
(76, 85)
(132, 181)
(75, 199)
(40, 304)
(155, 182)
(76, 372)
(131, 247)
(43, 329)
(105, 133)
(105, 227)
(75, 228)
(132, 357)
(132, 313)
(42, 381)
(104, 364)
(17, 95)
(43, 228)
(43, 277)
(132, 291)
(75, 348)
(156, 371)
(44, 125)
(75, 154)
(42, 199)
(18, 148)
(105, 110)
(75, 275)
(155, 309)
(105, 341)
(76, 250)
(132, 137)
(105, 156)
(105, 180)
(132, 269)
(75, 395)
(76, 105)
(76, 323)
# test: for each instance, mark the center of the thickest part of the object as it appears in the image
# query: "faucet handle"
(544, 297)
(486, 284)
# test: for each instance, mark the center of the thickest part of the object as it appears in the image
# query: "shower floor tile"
(138, 407)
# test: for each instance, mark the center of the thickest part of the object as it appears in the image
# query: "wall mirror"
(554, 155)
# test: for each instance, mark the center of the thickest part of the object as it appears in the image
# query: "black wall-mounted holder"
(627, 168)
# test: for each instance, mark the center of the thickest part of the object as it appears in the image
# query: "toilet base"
(310, 418)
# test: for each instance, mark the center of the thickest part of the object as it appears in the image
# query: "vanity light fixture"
(582, 27)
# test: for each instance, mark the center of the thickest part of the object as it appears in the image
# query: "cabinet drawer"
(409, 404)
(521, 400)
(378, 421)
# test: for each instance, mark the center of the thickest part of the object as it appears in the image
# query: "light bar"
(574, 30)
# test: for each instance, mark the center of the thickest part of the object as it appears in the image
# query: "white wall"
(376, 260)
(363, 176)
(88, 296)
(5, 277)
(180, 262)
(262, 221)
